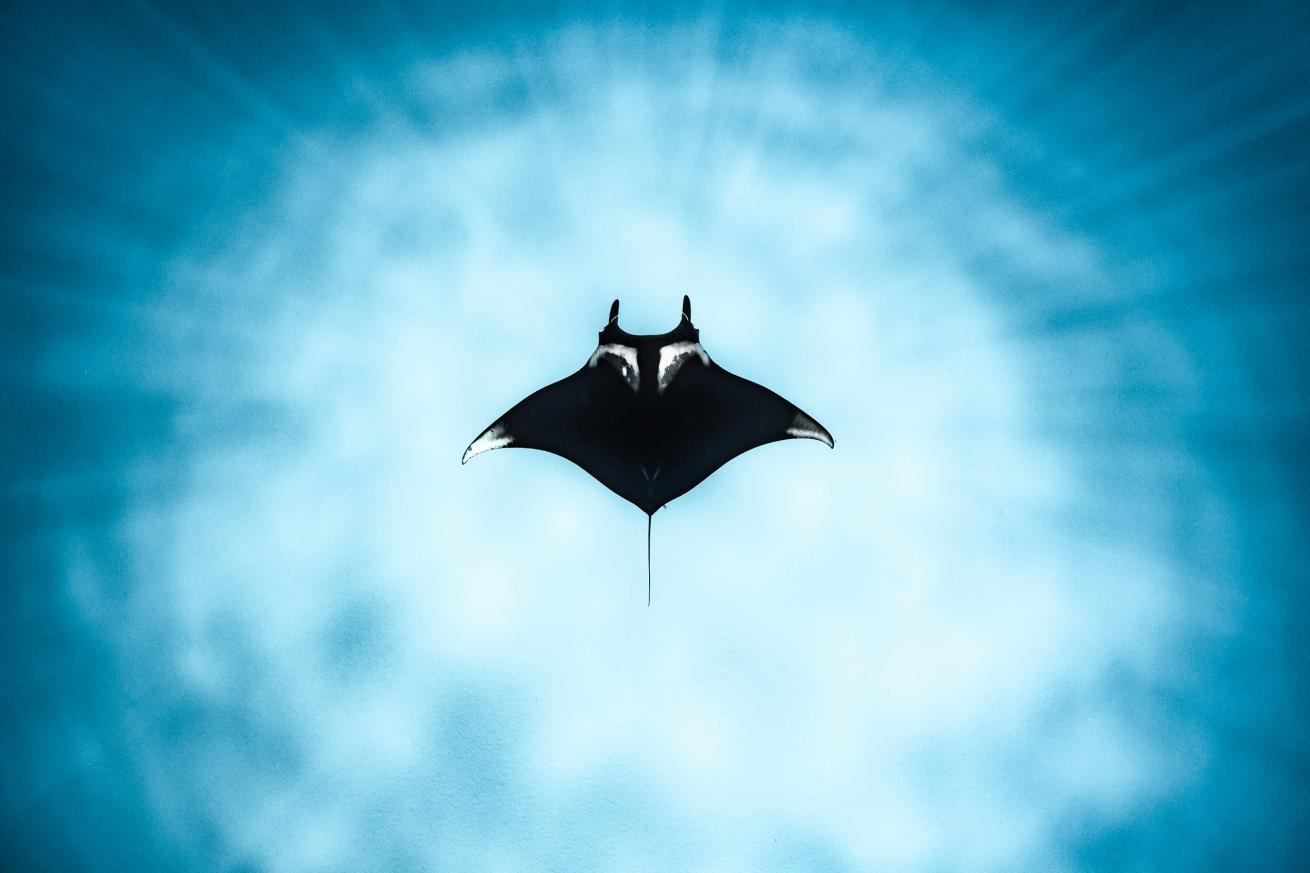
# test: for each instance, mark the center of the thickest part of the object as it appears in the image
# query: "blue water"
(267, 270)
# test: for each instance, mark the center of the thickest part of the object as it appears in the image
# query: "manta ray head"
(648, 363)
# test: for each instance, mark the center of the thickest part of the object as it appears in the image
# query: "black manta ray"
(650, 416)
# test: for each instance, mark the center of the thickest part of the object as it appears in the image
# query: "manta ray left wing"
(650, 417)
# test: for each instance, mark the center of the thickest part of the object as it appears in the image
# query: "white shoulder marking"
(622, 358)
(494, 437)
(806, 428)
(673, 356)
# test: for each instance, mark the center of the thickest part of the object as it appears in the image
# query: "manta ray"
(650, 416)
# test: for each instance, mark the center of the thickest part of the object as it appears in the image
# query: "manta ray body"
(649, 416)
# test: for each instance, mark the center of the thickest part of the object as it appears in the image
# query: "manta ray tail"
(648, 521)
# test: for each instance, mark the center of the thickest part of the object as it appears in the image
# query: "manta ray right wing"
(710, 416)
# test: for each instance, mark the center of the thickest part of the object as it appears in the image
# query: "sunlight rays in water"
(984, 633)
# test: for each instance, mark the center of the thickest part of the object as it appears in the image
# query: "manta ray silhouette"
(649, 416)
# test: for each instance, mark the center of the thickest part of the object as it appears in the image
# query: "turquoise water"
(267, 271)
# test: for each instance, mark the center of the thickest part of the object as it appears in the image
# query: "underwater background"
(1040, 268)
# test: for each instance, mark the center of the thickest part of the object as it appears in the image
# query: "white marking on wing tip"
(806, 428)
(494, 437)
(673, 356)
(623, 359)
